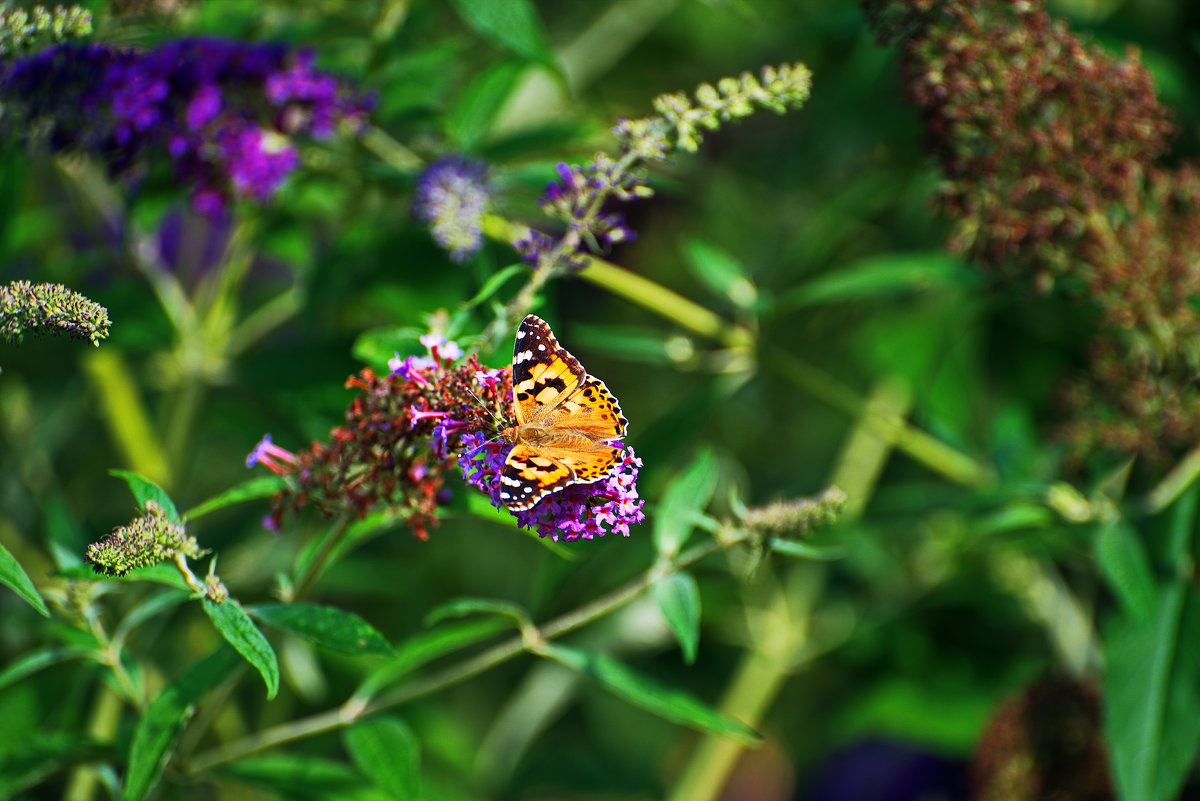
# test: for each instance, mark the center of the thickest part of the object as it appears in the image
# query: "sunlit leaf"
(388, 753)
(159, 727)
(683, 499)
(144, 489)
(258, 487)
(344, 632)
(678, 598)
(239, 631)
(659, 699)
(12, 575)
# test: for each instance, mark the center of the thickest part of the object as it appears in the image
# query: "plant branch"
(355, 709)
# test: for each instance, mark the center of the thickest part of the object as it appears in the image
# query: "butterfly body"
(566, 421)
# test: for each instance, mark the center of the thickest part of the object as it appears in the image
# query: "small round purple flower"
(452, 196)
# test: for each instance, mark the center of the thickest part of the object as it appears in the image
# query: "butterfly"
(566, 420)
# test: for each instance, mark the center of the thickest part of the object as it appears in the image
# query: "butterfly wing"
(530, 474)
(544, 373)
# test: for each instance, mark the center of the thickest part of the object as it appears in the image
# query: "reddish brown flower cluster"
(401, 434)
(1048, 146)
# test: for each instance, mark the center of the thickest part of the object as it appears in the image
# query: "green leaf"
(659, 699)
(679, 599)
(296, 776)
(43, 754)
(802, 550)
(37, 660)
(470, 119)
(682, 501)
(325, 626)
(260, 487)
(720, 271)
(880, 276)
(159, 727)
(495, 281)
(1152, 676)
(1126, 567)
(144, 489)
(12, 575)
(239, 631)
(388, 753)
(428, 646)
(511, 23)
(1152, 711)
(460, 607)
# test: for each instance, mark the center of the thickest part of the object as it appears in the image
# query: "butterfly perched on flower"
(566, 421)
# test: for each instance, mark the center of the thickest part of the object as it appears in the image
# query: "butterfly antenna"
(496, 417)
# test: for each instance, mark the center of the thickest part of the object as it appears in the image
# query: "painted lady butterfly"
(565, 421)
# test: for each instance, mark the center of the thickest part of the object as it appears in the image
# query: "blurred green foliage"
(973, 562)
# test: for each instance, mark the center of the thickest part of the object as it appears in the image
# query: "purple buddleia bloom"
(224, 112)
(578, 511)
(452, 196)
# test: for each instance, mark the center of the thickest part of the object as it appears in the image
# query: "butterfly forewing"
(544, 373)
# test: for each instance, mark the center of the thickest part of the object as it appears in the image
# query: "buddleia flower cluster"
(577, 511)
(451, 197)
(22, 30)
(1049, 148)
(433, 415)
(27, 308)
(399, 438)
(582, 196)
(225, 113)
(149, 539)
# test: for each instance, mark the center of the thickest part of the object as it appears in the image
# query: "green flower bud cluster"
(681, 121)
(22, 30)
(37, 308)
(148, 540)
(797, 516)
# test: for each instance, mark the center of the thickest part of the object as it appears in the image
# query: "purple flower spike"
(223, 111)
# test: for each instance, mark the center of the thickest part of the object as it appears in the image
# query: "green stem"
(931, 452)
(1174, 483)
(630, 286)
(313, 569)
(498, 654)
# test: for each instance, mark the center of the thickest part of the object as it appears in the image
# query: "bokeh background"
(951, 596)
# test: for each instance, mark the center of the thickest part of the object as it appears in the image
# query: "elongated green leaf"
(160, 726)
(496, 280)
(388, 753)
(660, 699)
(470, 120)
(720, 272)
(802, 550)
(344, 632)
(260, 487)
(460, 607)
(41, 755)
(428, 646)
(37, 660)
(12, 575)
(144, 489)
(678, 598)
(294, 776)
(880, 276)
(1152, 675)
(239, 631)
(1126, 567)
(512, 23)
(683, 499)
